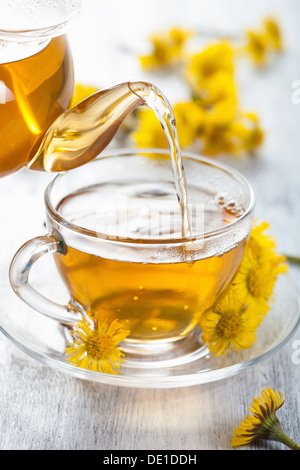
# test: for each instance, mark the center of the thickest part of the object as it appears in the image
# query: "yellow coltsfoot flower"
(255, 281)
(257, 47)
(262, 43)
(215, 57)
(263, 423)
(167, 48)
(245, 133)
(218, 89)
(259, 269)
(189, 120)
(202, 66)
(95, 345)
(228, 130)
(273, 33)
(230, 324)
(216, 139)
(263, 247)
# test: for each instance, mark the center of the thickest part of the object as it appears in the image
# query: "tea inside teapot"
(34, 91)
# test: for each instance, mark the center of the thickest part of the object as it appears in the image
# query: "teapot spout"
(81, 133)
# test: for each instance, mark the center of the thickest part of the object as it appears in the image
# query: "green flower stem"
(270, 429)
(293, 259)
(276, 433)
(286, 440)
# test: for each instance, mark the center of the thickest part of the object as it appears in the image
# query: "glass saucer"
(189, 364)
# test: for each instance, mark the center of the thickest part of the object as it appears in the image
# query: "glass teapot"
(37, 130)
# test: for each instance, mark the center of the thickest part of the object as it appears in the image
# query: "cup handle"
(19, 272)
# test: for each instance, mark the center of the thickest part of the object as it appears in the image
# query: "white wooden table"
(41, 408)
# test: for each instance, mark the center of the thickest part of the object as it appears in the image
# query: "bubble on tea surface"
(230, 204)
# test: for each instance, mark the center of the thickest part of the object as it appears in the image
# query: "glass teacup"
(114, 228)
